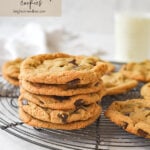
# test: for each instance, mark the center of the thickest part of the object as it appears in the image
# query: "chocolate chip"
(61, 98)
(73, 84)
(63, 117)
(147, 108)
(96, 84)
(124, 125)
(73, 62)
(24, 102)
(127, 114)
(142, 133)
(82, 107)
(79, 103)
(147, 115)
(41, 102)
(74, 112)
(61, 66)
(92, 63)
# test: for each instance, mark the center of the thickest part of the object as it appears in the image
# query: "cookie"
(62, 102)
(26, 118)
(145, 91)
(59, 68)
(82, 112)
(110, 66)
(138, 71)
(132, 115)
(12, 68)
(11, 80)
(61, 90)
(116, 83)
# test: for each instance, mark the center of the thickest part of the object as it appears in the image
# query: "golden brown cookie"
(82, 112)
(62, 102)
(12, 68)
(11, 80)
(110, 66)
(61, 90)
(138, 71)
(145, 91)
(116, 83)
(132, 115)
(26, 118)
(59, 68)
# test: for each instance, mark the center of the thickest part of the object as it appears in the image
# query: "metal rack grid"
(103, 134)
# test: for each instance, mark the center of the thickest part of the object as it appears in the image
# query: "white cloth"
(33, 39)
(29, 41)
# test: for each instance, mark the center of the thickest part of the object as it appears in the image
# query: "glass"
(132, 36)
(132, 30)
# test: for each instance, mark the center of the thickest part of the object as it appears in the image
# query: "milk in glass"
(132, 37)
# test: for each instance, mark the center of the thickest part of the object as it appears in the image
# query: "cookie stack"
(61, 91)
(11, 70)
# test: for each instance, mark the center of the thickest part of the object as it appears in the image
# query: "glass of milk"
(132, 37)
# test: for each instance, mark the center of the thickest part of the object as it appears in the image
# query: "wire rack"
(101, 135)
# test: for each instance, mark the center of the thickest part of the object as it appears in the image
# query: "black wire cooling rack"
(102, 135)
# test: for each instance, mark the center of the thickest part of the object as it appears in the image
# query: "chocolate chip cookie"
(28, 119)
(61, 90)
(110, 66)
(82, 112)
(138, 71)
(61, 102)
(13, 81)
(145, 91)
(116, 83)
(11, 70)
(59, 68)
(132, 115)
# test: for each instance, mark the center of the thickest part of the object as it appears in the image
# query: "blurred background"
(82, 16)
(86, 25)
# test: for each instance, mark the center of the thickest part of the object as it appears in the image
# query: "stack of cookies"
(60, 91)
(11, 70)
